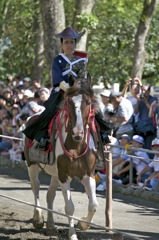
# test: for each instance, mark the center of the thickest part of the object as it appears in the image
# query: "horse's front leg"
(90, 187)
(69, 208)
(51, 193)
(38, 219)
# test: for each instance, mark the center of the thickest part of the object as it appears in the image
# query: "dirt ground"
(16, 218)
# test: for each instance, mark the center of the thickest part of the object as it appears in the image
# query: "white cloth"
(125, 109)
(154, 164)
(114, 150)
(133, 100)
(139, 163)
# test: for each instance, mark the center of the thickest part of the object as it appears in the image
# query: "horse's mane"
(74, 90)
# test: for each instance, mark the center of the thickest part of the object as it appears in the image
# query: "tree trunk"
(82, 7)
(142, 31)
(39, 47)
(53, 19)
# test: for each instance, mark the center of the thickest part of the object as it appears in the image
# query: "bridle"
(67, 118)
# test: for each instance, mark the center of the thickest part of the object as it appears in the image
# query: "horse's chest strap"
(59, 130)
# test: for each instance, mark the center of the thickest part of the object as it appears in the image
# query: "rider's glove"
(64, 86)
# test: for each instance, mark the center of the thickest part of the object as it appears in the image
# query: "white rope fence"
(73, 217)
(10, 137)
(133, 149)
(130, 148)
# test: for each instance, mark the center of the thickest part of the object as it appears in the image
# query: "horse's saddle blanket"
(40, 156)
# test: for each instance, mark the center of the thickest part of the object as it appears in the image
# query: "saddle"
(46, 156)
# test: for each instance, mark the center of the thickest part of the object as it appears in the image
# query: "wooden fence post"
(108, 209)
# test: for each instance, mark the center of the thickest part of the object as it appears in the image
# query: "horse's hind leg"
(51, 193)
(90, 187)
(38, 219)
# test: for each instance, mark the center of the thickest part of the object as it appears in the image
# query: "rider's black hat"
(69, 33)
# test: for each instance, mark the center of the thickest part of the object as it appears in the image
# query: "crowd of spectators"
(20, 98)
(134, 113)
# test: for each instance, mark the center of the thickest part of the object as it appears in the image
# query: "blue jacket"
(58, 67)
(62, 67)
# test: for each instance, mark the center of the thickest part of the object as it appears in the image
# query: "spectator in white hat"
(44, 94)
(105, 99)
(28, 93)
(28, 96)
(119, 161)
(27, 82)
(151, 180)
(123, 117)
(139, 161)
(35, 108)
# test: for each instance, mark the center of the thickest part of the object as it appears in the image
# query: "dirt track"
(130, 215)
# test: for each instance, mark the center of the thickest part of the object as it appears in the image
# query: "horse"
(75, 156)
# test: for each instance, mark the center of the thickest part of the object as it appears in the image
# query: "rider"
(63, 65)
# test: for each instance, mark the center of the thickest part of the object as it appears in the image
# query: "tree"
(53, 20)
(39, 46)
(82, 18)
(28, 42)
(139, 47)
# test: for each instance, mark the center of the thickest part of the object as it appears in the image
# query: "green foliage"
(88, 21)
(111, 26)
(151, 68)
(111, 45)
(17, 23)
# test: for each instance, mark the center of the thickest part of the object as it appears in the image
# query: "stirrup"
(42, 145)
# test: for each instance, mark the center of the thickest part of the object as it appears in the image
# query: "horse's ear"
(88, 80)
(71, 80)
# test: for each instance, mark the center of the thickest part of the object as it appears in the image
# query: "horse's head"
(79, 106)
(83, 80)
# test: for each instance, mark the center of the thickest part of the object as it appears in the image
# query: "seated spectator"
(27, 83)
(19, 133)
(151, 180)
(16, 152)
(3, 105)
(8, 95)
(3, 109)
(123, 117)
(100, 172)
(14, 112)
(119, 161)
(139, 162)
(28, 96)
(7, 130)
(35, 108)
(44, 95)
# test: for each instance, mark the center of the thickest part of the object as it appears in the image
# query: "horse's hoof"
(73, 237)
(82, 225)
(38, 224)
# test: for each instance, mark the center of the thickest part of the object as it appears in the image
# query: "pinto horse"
(74, 157)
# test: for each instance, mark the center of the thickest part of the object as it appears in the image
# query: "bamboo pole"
(108, 209)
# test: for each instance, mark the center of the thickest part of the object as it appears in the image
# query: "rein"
(59, 131)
